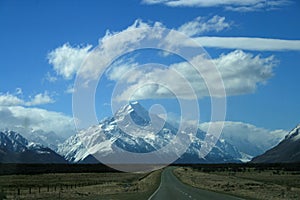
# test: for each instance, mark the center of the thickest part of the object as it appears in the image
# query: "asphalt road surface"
(172, 188)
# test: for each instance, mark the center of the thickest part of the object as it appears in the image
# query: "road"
(172, 188)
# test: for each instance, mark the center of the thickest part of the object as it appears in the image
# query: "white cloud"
(249, 43)
(8, 99)
(50, 77)
(260, 5)
(39, 99)
(18, 117)
(248, 138)
(70, 89)
(233, 5)
(121, 67)
(66, 60)
(108, 47)
(241, 73)
(201, 25)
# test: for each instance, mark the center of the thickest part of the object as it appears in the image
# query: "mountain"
(286, 151)
(250, 140)
(153, 134)
(47, 139)
(14, 148)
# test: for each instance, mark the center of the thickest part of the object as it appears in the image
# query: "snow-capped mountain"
(14, 148)
(250, 140)
(47, 139)
(294, 135)
(151, 135)
(286, 151)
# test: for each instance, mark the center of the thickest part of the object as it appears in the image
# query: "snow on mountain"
(11, 141)
(14, 148)
(135, 111)
(294, 134)
(47, 139)
(286, 151)
(247, 138)
(74, 149)
(103, 137)
(152, 134)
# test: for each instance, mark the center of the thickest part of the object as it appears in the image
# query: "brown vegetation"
(247, 182)
(111, 185)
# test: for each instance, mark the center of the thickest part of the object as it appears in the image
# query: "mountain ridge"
(287, 151)
(14, 148)
(108, 135)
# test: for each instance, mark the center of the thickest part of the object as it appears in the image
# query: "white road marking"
(156, 189)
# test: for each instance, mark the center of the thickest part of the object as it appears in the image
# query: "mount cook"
(102, 138)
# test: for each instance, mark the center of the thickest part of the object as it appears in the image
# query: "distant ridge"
(14, 148)
(104, 137)
(287, 151)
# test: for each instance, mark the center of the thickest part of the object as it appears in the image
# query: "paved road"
(171, 188)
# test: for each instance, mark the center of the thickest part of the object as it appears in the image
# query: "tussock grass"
(80, 185)
(248, 183)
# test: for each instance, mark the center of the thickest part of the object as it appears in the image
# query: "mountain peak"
(136, 106)
(294, 134)
(14, 136)
(135, 111)
(286, 151)
(16, 149)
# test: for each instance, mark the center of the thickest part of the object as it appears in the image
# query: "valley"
(215, 181)
(149, 100)
(80, 185)
(117, 135)
(248, 182)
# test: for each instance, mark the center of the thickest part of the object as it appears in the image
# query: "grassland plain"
(248, 183)
(79, 185)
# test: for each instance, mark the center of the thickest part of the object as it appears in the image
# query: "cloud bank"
(201, 25)
(66, 60)
(19, 114)
(22, 118)
(248, 43)
(242, 72)
(248, 138)
(232, 5)
(8, 99)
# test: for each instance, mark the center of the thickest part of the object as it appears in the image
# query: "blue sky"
(31, 79)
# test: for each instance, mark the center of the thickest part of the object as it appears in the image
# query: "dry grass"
(250, 184)
(80, 186)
